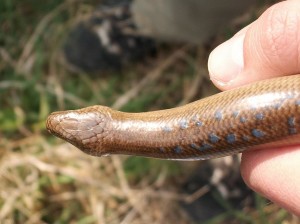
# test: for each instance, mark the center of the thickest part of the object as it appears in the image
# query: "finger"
(268, 47)
(275, 174)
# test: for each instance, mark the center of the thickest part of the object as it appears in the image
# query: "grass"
(44, 180)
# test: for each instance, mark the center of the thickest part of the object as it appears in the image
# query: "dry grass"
(45, 183)
(44, 180)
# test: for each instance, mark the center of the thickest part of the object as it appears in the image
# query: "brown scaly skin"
(226, 123)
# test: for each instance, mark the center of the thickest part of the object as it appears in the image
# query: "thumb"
(268, 47)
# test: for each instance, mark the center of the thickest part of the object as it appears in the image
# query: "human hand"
(267, 48)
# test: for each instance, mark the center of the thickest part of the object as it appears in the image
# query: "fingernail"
(226, 61)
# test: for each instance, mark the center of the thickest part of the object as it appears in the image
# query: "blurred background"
(133, 56)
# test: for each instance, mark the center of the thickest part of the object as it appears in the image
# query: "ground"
(45, 180)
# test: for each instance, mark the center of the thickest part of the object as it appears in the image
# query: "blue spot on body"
(297, 103)
(289, 96)
(243, 119)
(292, 131)
(257, 133)
(194, 118)
(291, 121)
(194, 146)
(161, 149)
(183, 124)
(218, 115)
(277, 106)
(213, 138)
(205, 146)
(178, 149)
(245, 138)
(199, 123)
(167, 129)
(259, 116)
(230, 138)
(235, 113)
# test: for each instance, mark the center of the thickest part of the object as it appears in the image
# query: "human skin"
(268, 47)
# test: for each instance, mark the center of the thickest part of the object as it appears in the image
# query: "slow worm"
(265, 113)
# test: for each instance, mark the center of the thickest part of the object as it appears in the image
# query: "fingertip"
(269, 47)
(226, 62)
